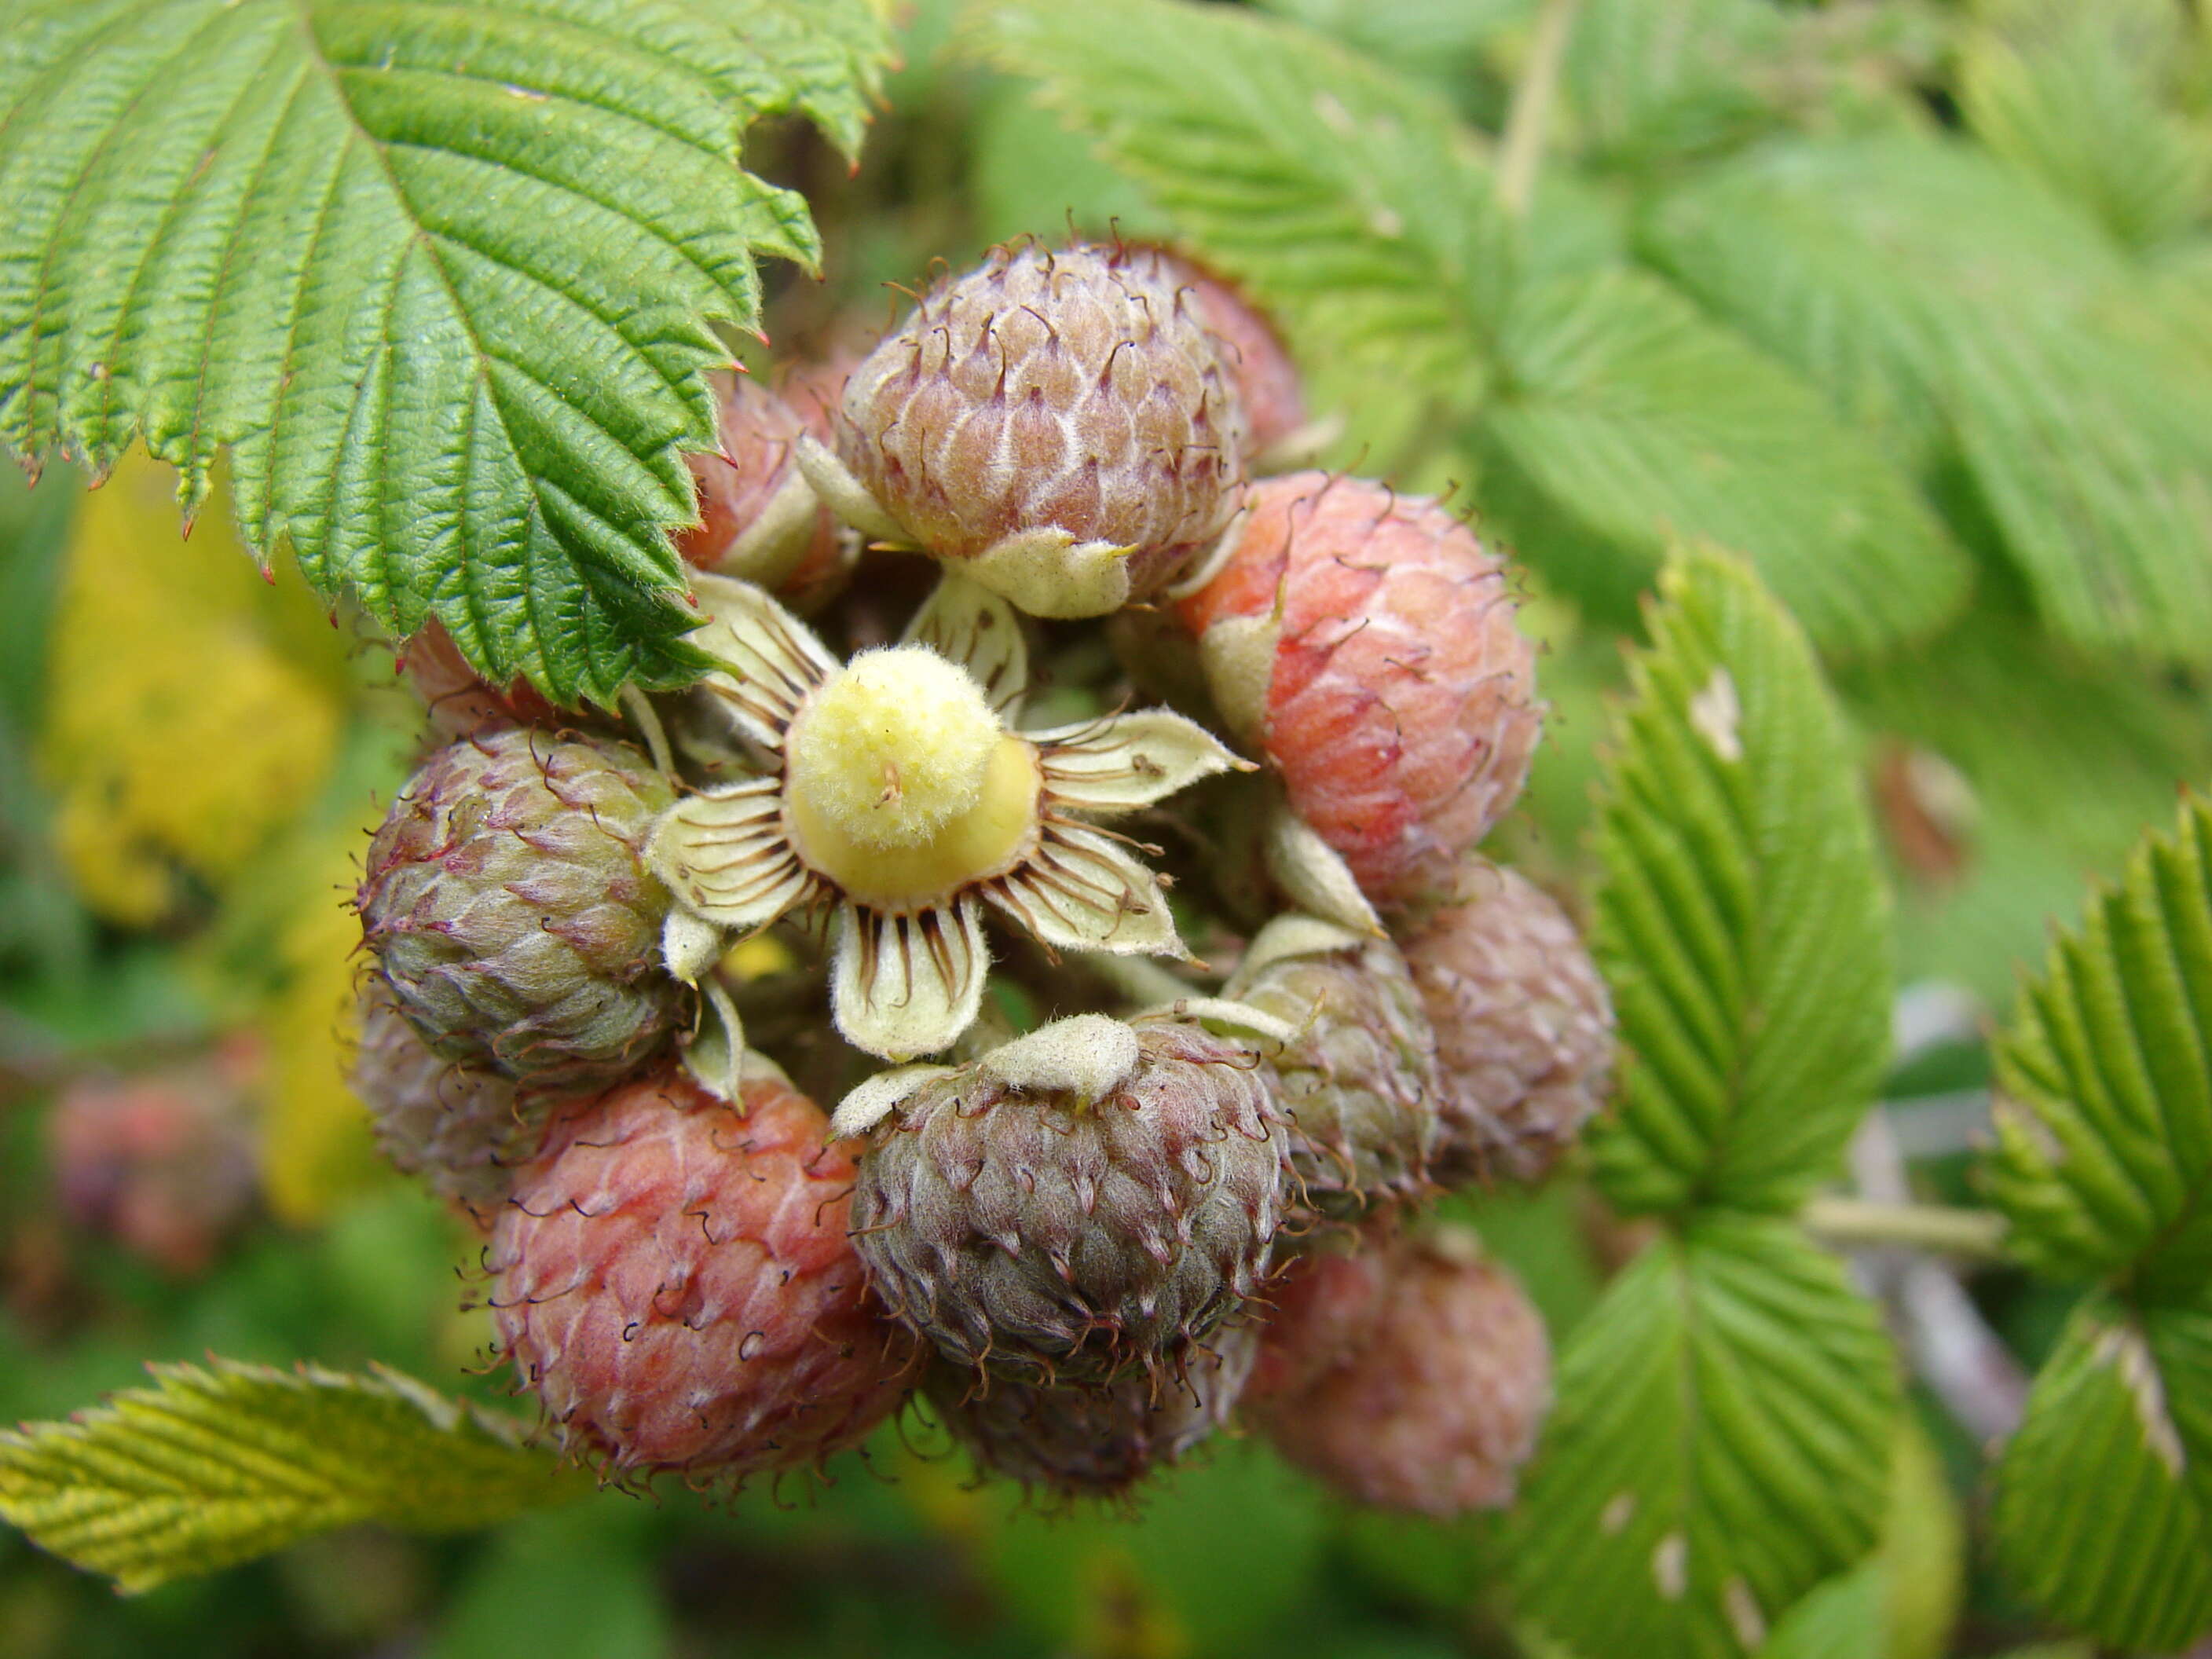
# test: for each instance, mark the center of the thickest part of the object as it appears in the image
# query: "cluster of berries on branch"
(923, 844)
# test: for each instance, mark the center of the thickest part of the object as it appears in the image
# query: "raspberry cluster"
(1085, 1207)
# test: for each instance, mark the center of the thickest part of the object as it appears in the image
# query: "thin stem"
(648, 723)
(1978, 1234)
(1529, 117)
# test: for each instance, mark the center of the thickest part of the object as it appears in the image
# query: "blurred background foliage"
(1915, 296)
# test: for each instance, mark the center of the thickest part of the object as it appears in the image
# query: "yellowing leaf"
(183, 727)
(316, 1147)
(214, 1466)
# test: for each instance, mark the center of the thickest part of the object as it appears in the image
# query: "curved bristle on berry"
(461, 1130)
(1068, 1443)
(1523, 1024)
(1395, 696)
(506, 901)
(1066, 1236)
(673, 1279)
(1071, 392)
(1266, 380)
(1436, 1404)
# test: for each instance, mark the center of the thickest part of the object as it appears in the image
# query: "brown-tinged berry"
(506, 904)
(1266, 380)
(1524, 1026)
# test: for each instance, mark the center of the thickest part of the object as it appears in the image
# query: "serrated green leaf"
(1346, 199)
(215, 1465)
(442, 275)
(1720, 1446)
(1624, 421)
(2071, 94)
(1652, 80)
(1923, 283)
(1739, 918)
(2104, 1496)
(2104, 1161)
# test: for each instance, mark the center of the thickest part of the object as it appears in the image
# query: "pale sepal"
(770, 659)
(724, 853)
(1208, 564)
(1284, 940)
(969, 624)
(908, 984)
(845, 494)
(1048, 573)
(1236, 1016)
(1238, 656)
(1127, 761)
(1314, 875)
(713, 1051)
(1086, 1055)
(689, 945)
(1299, 447)
(869, 1104)
(1082, 890)
(769, 549)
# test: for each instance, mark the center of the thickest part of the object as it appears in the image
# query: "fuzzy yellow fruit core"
(901, 783)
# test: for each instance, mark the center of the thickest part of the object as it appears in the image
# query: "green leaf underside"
(2103, 1162)
(1721, 1445)
(1345, 199)
(441, 275)
(1923, 283)
(1739, 920)
(214, 1466)
(2104, 1496)
(1626, 421)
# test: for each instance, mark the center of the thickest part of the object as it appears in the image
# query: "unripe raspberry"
(759, 519)
(673, 1279)
(1395, 695)
(162, 1161)
(1266, 381)
(1050, 401)
(1437, 1405)
(1321, 1306)
(1523, 1024)
(1094, 1443)
(461, 1130)
(507, 905)
(459, 699)
(1073, 1206)
(1359, 1080)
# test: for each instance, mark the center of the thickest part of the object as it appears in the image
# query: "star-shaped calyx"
(904, 795)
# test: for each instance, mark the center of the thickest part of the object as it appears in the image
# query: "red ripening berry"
(673, 1280)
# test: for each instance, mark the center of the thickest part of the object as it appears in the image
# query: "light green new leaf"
(2104, 1496)
(442, 275)
(1654, 80)
(2071, 94)
(1739, 921)
(1926, 284)
(2104, 1161)
(1348, 200)
(214, 1466)
(1624, 421)
(1721, 1445)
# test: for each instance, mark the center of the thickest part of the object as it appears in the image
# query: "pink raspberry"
(674, 1281)
(1400, 705)
(460, 702)
(759, 518)
(1524, 1027)
(1435, 1406)
(1324, 1303)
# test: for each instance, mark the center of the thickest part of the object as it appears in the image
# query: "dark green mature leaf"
(1924, 282)
(1347, 199)
(1721, 1445)
(443, 277)
(2104, 1125)
(2104, 1502)
(1739, 919)
(212, 1466)
(1624, 421)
